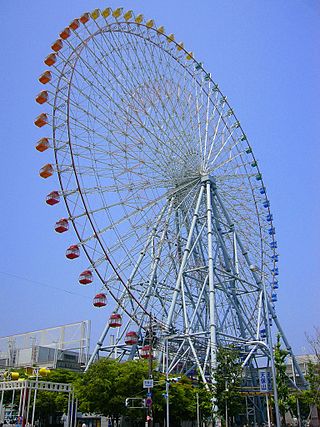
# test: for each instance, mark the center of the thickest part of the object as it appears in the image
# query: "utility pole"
(149, 416)
(226, 387)
(198, 410)
(167, 385)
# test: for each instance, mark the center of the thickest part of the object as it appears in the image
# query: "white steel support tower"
(165, 196)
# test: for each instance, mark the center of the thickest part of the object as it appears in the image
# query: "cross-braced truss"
(164, 193)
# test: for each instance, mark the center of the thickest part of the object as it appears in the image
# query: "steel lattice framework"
(163, 190)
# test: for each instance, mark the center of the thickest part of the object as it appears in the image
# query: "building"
(65, 346)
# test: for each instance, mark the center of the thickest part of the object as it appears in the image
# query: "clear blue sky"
(265, 56)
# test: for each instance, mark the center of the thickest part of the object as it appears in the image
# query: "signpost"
(265, 380)
(148, 383)
(148, 401)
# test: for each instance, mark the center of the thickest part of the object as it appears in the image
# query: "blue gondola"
(274, 297)
(262, 190)
(266, 204)
(272, 231)
(275, 284)
(275, 257)
(273, 245)
(275, 271)
(263, 333)
(269, 217)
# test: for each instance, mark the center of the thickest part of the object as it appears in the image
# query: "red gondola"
(146, 352)
(100, 300)
(131, 338)
(53, 198)
(115, 320)
(73, 252)
(62, 225)
(85, 277)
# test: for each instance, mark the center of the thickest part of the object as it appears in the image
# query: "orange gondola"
(65, 33)
(42, 97)
(50, 59)
(46, 171)
(42, 144)
(74, 24)
(84, 18)
(45, 77)
(41, 120)
(57, 45)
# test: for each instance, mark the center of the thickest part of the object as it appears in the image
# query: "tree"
(104, 388)
(183, 401)
(50, 404)
(286, 399)
(311, 396)
(228, 377)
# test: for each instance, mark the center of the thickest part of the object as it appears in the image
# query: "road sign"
(265, 380)
(148, 401)
(149, 394)
(147, 383)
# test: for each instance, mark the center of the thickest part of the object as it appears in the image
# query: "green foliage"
(228, 376)
(61, 376)
(286, 399)
(104, 388)
(183, 401)
(311, 396)
(49, 403)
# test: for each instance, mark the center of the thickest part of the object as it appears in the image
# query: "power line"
(37, 283)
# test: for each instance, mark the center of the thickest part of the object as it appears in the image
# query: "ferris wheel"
(163, 191)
